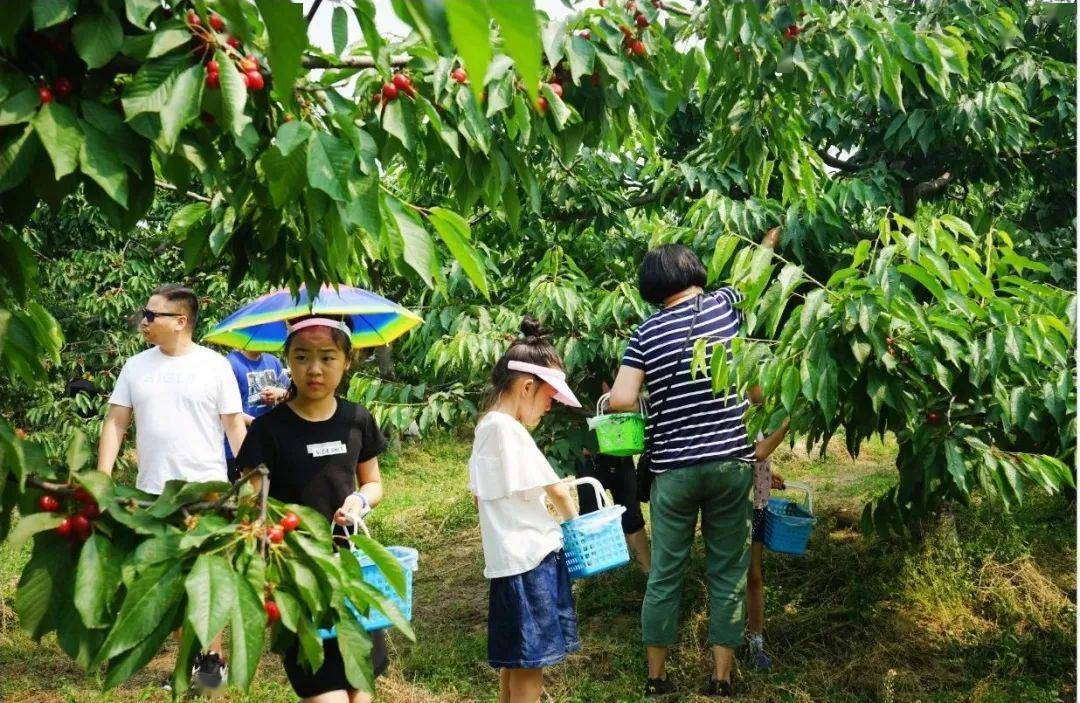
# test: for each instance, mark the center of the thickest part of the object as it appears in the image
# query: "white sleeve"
(507, 462)
(228, 392)
(121, 394)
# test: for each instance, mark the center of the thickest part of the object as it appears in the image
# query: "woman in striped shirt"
(700, 454)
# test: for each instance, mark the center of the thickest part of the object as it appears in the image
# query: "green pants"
(720, 491)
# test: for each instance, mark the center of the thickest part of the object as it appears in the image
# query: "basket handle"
(805, 488)
(605, 401)
(602, 499)
(358, 524)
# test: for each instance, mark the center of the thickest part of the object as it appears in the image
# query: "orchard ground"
(981, 609)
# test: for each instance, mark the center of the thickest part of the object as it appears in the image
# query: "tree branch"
(848, 166)
(311, 61)
(646, 199)
(933, 186)
(311, 12)
(164, 185)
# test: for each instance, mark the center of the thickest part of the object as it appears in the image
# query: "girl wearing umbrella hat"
(322, 451)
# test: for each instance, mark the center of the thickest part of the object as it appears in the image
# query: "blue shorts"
(757, 527)
(531, 618)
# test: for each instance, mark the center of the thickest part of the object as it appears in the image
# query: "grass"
(982, 609)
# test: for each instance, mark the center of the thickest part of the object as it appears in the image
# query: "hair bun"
(532, 330)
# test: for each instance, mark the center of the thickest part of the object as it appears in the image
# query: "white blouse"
(508, 474)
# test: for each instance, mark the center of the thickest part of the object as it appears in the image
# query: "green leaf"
(139, 11)
(17, 155)
(339, 29)
(50, 12)
(97, 579)
(355, 646)
(291, 135)
(182, 105)
(789, 388)
(283, 18)
(30, 525)
(384, 560)
(99, 161)
(127, 664)
(521, 38)
(185, 655)
(418, 249)
(153, 592)
(311, 648)
(922, 276)
(58, 131)
(42, 586)
(582, 55)
(98, 35)
(455, 233)
(165, 40)
(211, 593)
(285, 176)
(399, 119)
(149, 89)
(233, 96)
(330, 160)
(248, 625)
(954, 463)
(19, 107)
(471, 34)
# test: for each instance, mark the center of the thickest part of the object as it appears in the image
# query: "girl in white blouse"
(531, 619)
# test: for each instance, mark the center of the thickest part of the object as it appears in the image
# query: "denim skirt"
(531, 618)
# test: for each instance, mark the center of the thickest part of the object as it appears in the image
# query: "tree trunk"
(386, 362)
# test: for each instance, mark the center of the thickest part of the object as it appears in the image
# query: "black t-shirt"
(312, 463)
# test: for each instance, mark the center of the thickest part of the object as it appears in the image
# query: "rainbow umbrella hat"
(260, 325)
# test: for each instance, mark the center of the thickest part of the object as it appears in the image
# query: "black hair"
(667, 270)
(532, 347)
(341, 340)
(175, 293)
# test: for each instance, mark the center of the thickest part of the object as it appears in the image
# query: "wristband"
(365, 506)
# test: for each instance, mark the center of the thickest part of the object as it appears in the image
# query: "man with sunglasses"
(183, 397)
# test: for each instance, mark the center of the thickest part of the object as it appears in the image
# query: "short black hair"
(175, 293)
(668, 269)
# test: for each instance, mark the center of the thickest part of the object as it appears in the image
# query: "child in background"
(531, 619)
(764, 481)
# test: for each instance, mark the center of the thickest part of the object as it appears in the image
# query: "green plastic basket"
(618, 434)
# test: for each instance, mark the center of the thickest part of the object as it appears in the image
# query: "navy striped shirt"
(687, 424)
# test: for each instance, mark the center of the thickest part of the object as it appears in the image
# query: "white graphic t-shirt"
(178, 403)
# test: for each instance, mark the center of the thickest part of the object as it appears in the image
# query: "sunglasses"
(150, 315)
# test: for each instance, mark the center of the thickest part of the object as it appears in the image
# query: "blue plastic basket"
(788, 524)
(595, 543)
(373, 575)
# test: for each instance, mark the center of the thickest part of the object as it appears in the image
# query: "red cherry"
(401, 81)
(933, 417)
(82, 495)
(207, 118)
(80, 527)
(193, 19)
(63, 86)
(276, 534)
(586, 35)
(556, 88)
(64, 528)
(641, 20)
(637, 48)
(627, 32)
(594, 79)
(658, 4)
(217, 23)
(254, 80)
(212, 66)
(233, 42)
(273, 612)
(20, 433)
(45, 95)
(213, 80)
(90, 511)
(631, 6)
(248, 64)
(48, 503)
(290, 522)
(389, 92)
(376, 96)
(459, 75)
(167, 12)
(602, 3)
(542, 105)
